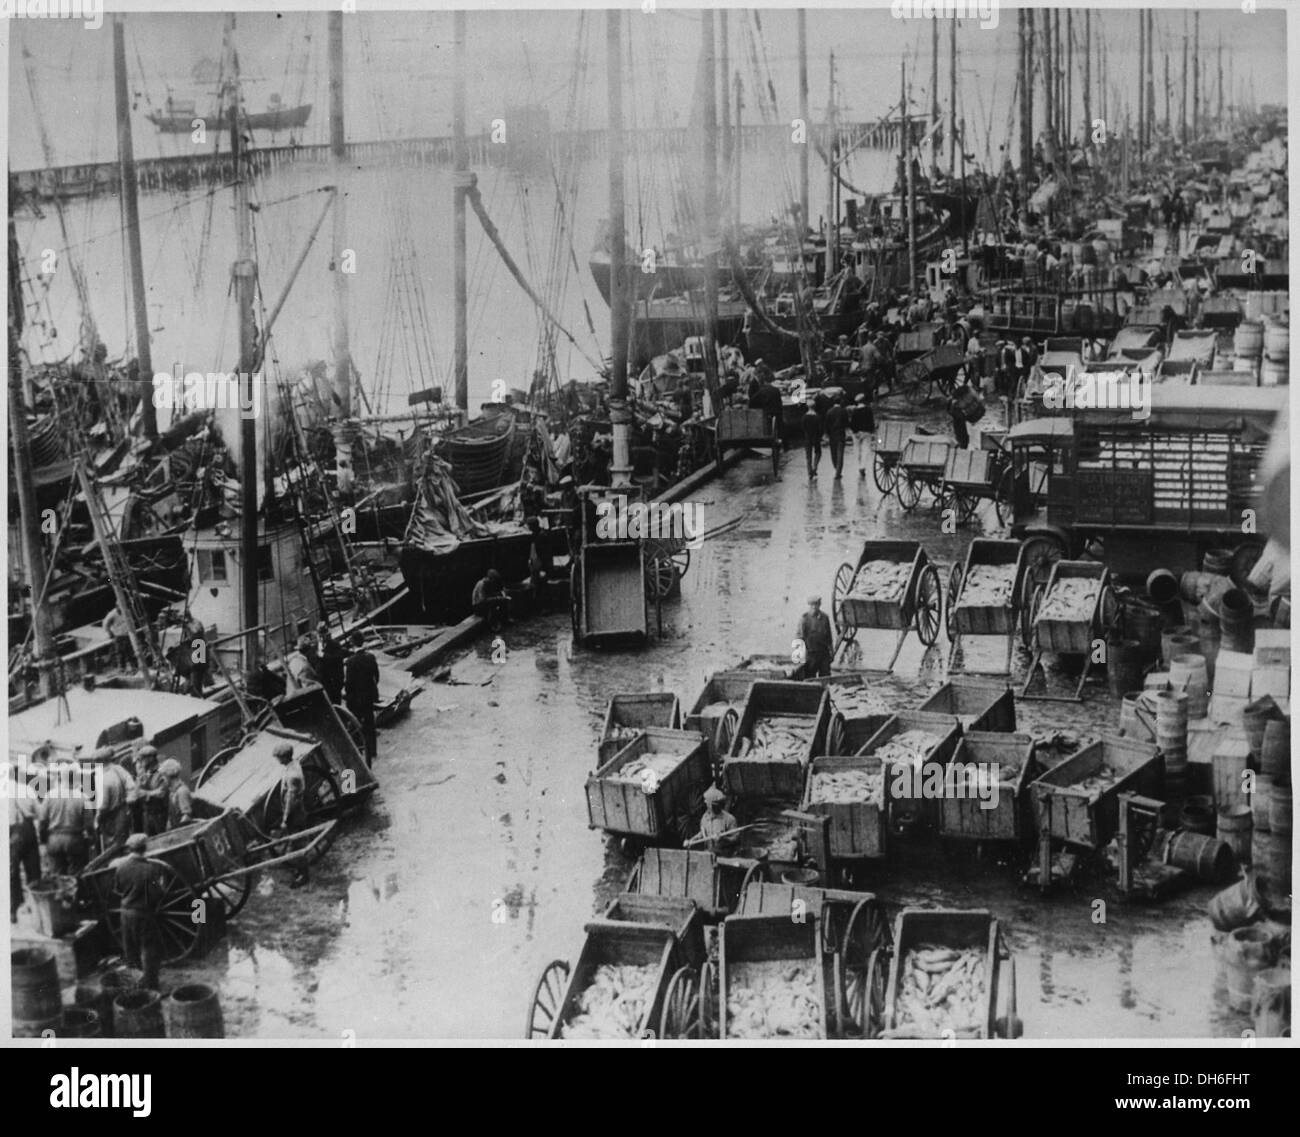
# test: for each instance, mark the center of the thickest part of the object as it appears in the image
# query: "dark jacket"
(815, 631)
(837, 423)
(361, 675)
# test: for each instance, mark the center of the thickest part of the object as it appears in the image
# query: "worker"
(361, 683)
(24, 845)
(1271, 574)
(862, 422)
(196, 637)
(63, 825)
(540, 565)
(489, 602)
(118, 629)
(115, 794)
(812, 438)
(964, 407)
(151, 791)
(180, 802)
(140, 883)
(293, 795)
(331, 658)
(837, 425)
(815, 633)
(716, 822)
(301, 663)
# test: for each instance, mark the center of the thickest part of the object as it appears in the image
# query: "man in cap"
(293, 796)
(488, 600)
(118, 629)
(814, 631)
(837, 425)
(330, 666)
(64, 823)
(115, 793)
(180, 802)
(715, 823)
(301, 663)
(24, 846)
(812, 438)
(361, 678)
(140, 882)
(151, 791)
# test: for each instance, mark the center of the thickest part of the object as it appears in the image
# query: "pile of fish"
(622, 733)
(775, 998)
(977, 777)
(941, 989)
(1070, 600)
(858, 702)
(777, 738)
(1096, 784)
(651, 767)
(881, 580)
(987, 586)
(910, 748)
(615, 1003)
(848, 787)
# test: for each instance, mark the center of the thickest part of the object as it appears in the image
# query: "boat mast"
(126, 168)
(911, 185)
(1196, 75)
(620, 419)
(803, 119)
(832, 221)
(1026, 126)
(952, 99)
(735, 160)
(724, 126)
(934, 101)
(244, 272)
(33, 545)
(710, 163)
(460, 183)
(338, 154)
(1182, 102)
(1087, 80)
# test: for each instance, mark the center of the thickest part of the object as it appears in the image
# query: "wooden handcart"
(654, 807)
(921, 465)
(985, 619)
(954, 930)
(716, 713)
(1067, 637)
(741, 428)
(610, 587)
(628, 715)
(206, 866)
(891, 437)
(912, 808)
(965, 816)
(933, 373)
(920, 605)
(714, 883)
(746, 777)
(976, 704)
(972, 476)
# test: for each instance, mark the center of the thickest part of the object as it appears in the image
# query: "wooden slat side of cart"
(714, 883)
(921, 465)
(1072, 636)
(850, 725)
(716, 712)
(746, 427)
(760, 939)
(858, 830)
(890, 438)
(964, 619)
(641, 945)
(965, 816)
(654, 808)
(914, 808)
(920, 602)
(1075, 817)
(977, 705)
(751, 778)
(681, 916)
(625, 715)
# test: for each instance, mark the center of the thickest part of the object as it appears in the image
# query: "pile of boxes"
(1240, 678)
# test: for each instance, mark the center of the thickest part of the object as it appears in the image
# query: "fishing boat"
(179, 116)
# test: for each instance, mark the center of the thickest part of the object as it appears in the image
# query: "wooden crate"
(655, 813)
(1012, 818)
(636, 712)
(722, 687)
(968, 469)
(852, 729)
(763, 897)
(614, 590)
(1070, 815)
(619, 944)
(746, 777)
(892, 436)
(987, 619)
(690, 874)
(925, 453)
(947, 727)
(858, 830)
(948, 928)
(976, 705)
(1070, 637)
(755, 939)
(859, 613)
(681, 916)
(741, 425)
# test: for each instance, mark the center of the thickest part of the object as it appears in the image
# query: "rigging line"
(71, 245)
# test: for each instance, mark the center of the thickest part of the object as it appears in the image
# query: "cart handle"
(317, 833)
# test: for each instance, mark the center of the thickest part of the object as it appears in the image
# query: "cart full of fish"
(858, 702)
(987, 586)
(1096, 784)
(909, 748)
(615, 1002)
(649, 768)
(1069, 600)
(941, 989)
(848, 787)
(778, 738)
(881, 580)
(776, 998)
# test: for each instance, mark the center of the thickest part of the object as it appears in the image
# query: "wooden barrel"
(1271, 1003)
(1142, 623)
(1233, 827)
(1248, 339)
(1275, 373)
(1236, 906)
(1277, 340)
(1197, 815)
(1196, 586)
(1246, 952)
(1136, 717)
(1217, 562)
(1236, 617)
(138, 1014)
(1259, 802)
(1125, 663)
(1275, 750)
(194, 1011)
(34, 996)
(1210, 859)
(1279, 810)
(1271, 853)
(80, 1022)
(1182, 644)
(1255, 722)
(1187, 672)
(1227, 765)
(1162, 587)
(91, 996)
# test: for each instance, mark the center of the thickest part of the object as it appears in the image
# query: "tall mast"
(952, 99)
(621, 467)
(934, 100)
(131, 206)
(1169, 126)
(33, 543)
(1087, 79)
(1182, 103)
(832, 221)
(724, 97)
(735, 159)
(1067, 116)
(1220, 64)
(1149, 70)
(803, 118)
(1026, 125)
(460, 182)
(709, 161)
(1142, 82)
(911, 186)
(245, 274)
(1196, 75)
(338, 153)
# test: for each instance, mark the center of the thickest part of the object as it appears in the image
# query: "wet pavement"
(473, 867)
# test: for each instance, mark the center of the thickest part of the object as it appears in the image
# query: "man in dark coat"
(812, 438)
(818, 640)
(330, 669)
(361, 679)
(140, 883)
(837, 425)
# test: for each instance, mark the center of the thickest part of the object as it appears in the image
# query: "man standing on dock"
(837, 423)
(115, 791)
(293, 793)
(153, 791)
(140, 883)
(814, 631)
(812, 438)
(361, 676)
(332, 657)
(180, 802)
(118, 629)
(63, 824)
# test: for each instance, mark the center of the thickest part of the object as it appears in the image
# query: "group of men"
(836, 422)
(350, 678)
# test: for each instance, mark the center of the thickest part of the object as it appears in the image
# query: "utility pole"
(620, 418)
(461, 181)
(802, 18)
(131, 206)
(338, 155)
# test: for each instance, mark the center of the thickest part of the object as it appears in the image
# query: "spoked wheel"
(660, 573)
(710, 1013)
(215, 763)
(876, 987)
(915, 391)
(680, 1017)
(964, 506)
(753, 875)
(1004, 497)
(908, 490)
(864, 936)
(884, 473)
(322, 801)
(1039, 554)
(1110, 614)
(776, 457)
(681, 558)
(1035, 602)
(954, 591)
(724, 732)
(928, 612)
(231, 894)
(547, 996)
(839, 590)
(173, 915)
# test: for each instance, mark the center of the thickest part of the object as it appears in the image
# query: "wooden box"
(948, 729)
(858, 830)
(1072, 815)
(746, 777)
(1012, 818)
(746, 939)
(976, 705)
(657, 808)
(632, 713)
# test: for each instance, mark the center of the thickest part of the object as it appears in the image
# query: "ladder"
(122, 577)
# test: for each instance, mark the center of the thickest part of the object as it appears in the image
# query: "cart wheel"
(839, 590)
(709, 997)
(876, 986)
(1038, 554)
(1004, 497)
(1110, 614)
(681, 558)
(865, 935)
(661, 573)
(575, 599)
(1030, 613)
(954, 591)
(915, 392)
(753, 875)
(883, 473)
(724, 732)
(219, 759)
(908, 490)
(928, 606)
(680, 1017)
(173, 915)
(232, 894)
(546, 1000)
